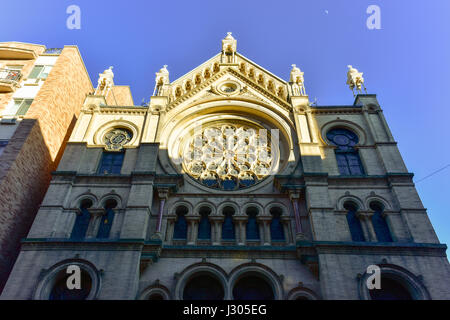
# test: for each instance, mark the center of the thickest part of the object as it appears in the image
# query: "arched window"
(180, 228)
(60, 291)
(107, 219)
(252, 228)
(155, 296)
(82, 220)
(203, 287)
(276, 227)
(204, 226)
(379, 223)
(353, 222)
(347, 156)
(228, 232)
(252, 287)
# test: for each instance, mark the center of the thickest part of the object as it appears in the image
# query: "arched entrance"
(252, 287)
(203, 287)
(390, 290)
(60, 291)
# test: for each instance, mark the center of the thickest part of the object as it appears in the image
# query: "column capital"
(239, 218)
(263, 218)
(163, 192)
(215, 218)
(365, 215)
(97, 211)
(294, 194)
(193, 218)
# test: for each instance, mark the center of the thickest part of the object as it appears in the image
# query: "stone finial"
(162, 82)
(105, 82)
(297, 81)
(355, 80)
(229, 47)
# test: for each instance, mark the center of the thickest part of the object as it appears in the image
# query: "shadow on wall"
(25, 174)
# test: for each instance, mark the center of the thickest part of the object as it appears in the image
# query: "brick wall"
(120, 96)
(35, 149)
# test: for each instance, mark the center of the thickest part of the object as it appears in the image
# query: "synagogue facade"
(229, 185)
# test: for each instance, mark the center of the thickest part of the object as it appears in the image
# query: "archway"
(203, 287)
(253, 287)
(390, 290)
(60, 290)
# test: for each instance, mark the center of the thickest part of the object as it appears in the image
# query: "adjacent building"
(230, 184)
(41, 93)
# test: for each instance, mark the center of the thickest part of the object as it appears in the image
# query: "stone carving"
(162, 82)
(105, 82)
(229, 46)
(297, 81)
(355, 80)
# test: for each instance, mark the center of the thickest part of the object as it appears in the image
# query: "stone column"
(295, 196)
(286, 221)
(216, 232)
(171, 218)
(366, 224)
(192, 231)
(94, 223)
(163, 194)
(239, 224)
(264, 223)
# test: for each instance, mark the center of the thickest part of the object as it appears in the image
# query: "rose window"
(117, 138)
(229, 157)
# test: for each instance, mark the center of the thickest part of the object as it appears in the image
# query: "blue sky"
(406, 63)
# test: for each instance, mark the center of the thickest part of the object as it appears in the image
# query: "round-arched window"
(342, 138)
(252, 287)
(203, 287)
(347, 156)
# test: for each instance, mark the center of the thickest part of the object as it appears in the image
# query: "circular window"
(229, 156)
(117, 138)
(342, 138)
(228, 88)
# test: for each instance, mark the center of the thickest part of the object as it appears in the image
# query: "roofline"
(27, 43)
(251, 61)
(82, 61)
(192, 71)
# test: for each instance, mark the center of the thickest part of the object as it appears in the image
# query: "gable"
(263, 88)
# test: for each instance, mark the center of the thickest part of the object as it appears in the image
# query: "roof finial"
(162, 82)
(229, 45)
(297, 81)
(105, 82)
(355, 80)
